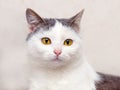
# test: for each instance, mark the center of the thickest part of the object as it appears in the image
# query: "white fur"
(71, 73)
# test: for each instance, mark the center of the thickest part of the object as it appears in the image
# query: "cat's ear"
(33, 19)
(75, 20)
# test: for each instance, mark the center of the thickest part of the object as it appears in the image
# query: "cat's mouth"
(57, 59)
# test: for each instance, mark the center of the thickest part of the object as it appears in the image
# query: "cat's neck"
(82, 71)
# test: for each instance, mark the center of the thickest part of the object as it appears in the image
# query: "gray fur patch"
(51, 23)
(48, 24)
(108, 82)
(68, 23)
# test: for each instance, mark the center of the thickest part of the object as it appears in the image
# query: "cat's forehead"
(60, 29)
(56, 25)
(52, 22)
(59, 32)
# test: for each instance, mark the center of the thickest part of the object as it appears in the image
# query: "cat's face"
(53, 42)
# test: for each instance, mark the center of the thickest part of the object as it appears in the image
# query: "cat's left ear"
(33, 19)
(75, 20)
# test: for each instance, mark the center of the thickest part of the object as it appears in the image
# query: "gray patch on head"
(66, 22)
(46, 26)
(51, 23)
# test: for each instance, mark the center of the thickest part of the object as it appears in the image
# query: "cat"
(56, 57)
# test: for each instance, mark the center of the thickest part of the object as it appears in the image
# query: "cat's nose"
(57, 52)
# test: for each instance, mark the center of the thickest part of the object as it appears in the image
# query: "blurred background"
(100, 30)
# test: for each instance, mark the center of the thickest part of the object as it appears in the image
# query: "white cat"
(56, 58)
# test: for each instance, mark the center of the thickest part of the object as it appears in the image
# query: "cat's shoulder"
(108, 82)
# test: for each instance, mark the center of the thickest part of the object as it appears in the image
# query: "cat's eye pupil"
(67, 41)
(46, 40)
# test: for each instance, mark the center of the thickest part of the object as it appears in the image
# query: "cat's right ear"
(33, 19)
(75, 20)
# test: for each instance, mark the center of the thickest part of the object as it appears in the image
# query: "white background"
(100, 26)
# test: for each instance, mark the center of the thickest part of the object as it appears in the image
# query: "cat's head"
(54, 42)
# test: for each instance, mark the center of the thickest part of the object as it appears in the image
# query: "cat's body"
(56, 58)
(108, 82)
(75, 78)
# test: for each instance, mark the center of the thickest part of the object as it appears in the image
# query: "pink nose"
(57, 52)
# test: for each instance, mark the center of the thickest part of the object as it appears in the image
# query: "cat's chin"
(57, 62)
(51, 62)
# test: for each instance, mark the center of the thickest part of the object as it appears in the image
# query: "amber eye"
(68, 42)
(46, 41)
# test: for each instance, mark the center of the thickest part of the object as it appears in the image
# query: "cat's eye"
(46, 41)
(68, 42)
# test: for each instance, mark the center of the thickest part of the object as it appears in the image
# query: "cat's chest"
(65, 82)
(68, 84)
